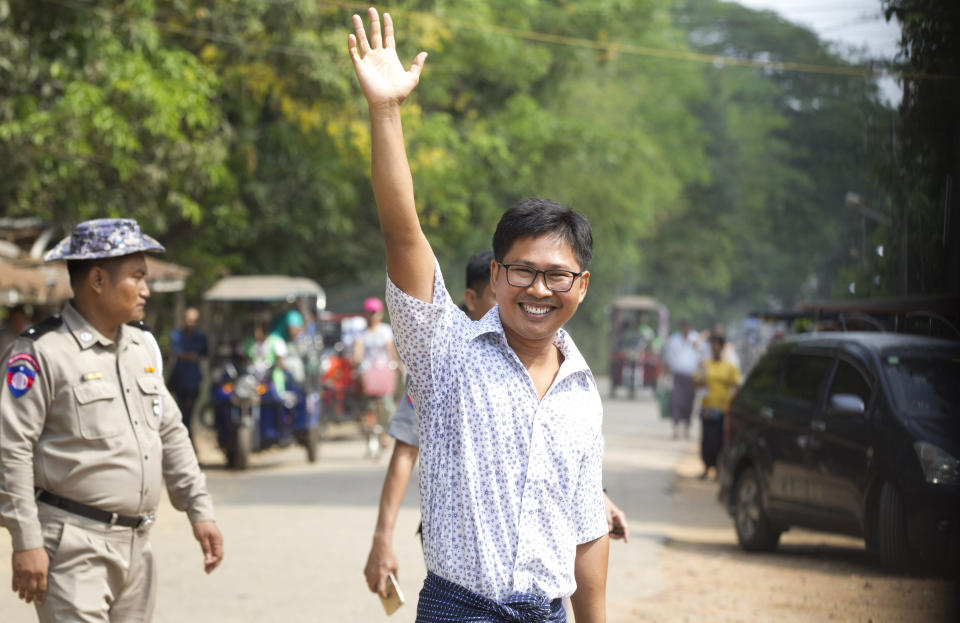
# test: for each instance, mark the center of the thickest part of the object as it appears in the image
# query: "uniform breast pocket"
(150, 394)
(99, 409)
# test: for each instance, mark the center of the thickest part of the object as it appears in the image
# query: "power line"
(611, 48)
(716, 60)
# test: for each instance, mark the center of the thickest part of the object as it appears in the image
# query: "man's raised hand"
(381, 75)
(386, 84)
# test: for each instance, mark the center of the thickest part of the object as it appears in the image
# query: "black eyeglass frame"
(537, 272)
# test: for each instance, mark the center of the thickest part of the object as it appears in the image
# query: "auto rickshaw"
(639, 327)
(263, 399)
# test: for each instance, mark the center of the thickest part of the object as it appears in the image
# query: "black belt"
(112, 519)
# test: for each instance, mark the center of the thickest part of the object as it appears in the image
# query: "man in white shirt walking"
(509, 413)
(682, 353)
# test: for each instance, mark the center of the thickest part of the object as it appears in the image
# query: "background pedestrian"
(189, 349)
(682, 355)
(721, 378)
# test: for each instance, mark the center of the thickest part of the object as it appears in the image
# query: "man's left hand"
(616, 520)
(211, 542)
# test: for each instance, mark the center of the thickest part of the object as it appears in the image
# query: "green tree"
(784, 148)
(924, 171)
(99, 116)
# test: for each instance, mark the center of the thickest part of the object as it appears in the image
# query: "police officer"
(88, 432)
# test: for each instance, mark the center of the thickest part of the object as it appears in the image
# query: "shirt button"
(145, 457)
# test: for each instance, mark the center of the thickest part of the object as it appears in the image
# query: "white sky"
(856, 23)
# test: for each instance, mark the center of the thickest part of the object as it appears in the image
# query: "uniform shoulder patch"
(138, 324)
(43, 327)
(22, 371)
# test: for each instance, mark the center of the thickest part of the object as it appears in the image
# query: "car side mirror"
(847, 404)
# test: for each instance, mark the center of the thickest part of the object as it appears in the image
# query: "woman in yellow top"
(721, 378)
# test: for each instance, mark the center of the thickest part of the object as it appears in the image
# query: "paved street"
(297, 537)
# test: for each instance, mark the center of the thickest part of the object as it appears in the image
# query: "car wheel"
(891, 530)
(754, 531)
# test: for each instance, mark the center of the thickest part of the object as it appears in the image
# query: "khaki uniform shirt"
(96, 425)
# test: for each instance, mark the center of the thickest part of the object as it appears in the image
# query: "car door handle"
(819, 425)
(766, 412)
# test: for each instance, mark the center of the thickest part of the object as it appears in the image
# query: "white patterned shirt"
(509, 484)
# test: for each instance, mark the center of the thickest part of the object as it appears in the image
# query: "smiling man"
(509, 414)
(88, 435)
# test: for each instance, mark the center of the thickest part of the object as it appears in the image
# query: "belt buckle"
(146, 520)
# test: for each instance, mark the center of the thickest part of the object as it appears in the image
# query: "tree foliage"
(924, 173)
(784, 147)
(234, 130)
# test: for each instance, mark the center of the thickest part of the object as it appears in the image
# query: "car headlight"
(938, 466)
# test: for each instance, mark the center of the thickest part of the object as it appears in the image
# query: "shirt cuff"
(24, 538)
(598, 531)
(404, 434)
(402, 305)
(201, 510)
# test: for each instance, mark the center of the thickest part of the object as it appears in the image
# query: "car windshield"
(924, 385)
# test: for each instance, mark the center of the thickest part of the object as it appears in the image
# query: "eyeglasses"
(522, 276)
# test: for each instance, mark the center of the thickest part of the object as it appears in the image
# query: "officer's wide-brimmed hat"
(103, 237)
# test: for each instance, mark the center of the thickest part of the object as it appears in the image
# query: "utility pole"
(904, 197)
(853, 201)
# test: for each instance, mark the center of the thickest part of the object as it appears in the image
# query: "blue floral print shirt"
(509, 484)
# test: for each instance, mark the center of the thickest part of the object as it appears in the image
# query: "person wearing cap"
(374, 354)
(287, 328)
(88, 434)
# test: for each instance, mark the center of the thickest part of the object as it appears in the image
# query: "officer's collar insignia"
(91, 376)
(149, 370)
(86, 336)
(21, 373)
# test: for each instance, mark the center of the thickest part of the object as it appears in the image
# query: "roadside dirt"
(811, 577)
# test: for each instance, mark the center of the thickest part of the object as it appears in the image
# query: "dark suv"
(855, 433)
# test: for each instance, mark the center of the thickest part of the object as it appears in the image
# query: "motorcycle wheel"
(241, 453)
(312, 443)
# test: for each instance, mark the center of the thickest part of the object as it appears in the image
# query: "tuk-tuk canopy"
(33, 282)
(638, 303)
(635, 304)
(265, 288)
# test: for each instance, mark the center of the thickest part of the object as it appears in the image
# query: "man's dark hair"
(79, 269)
(537, 216)
(478, 270)
(719, 338)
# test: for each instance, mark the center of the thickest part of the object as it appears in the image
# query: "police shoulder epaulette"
(139, 324)
(42, 327)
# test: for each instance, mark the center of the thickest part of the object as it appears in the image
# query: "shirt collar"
(490, 323)
(86, 334)
(573, 361)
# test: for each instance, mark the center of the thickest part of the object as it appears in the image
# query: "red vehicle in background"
(639, 327)
(340, 384)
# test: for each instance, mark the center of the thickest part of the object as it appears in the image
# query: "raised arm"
(385, 85)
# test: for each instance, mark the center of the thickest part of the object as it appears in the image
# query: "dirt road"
(297, 537)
